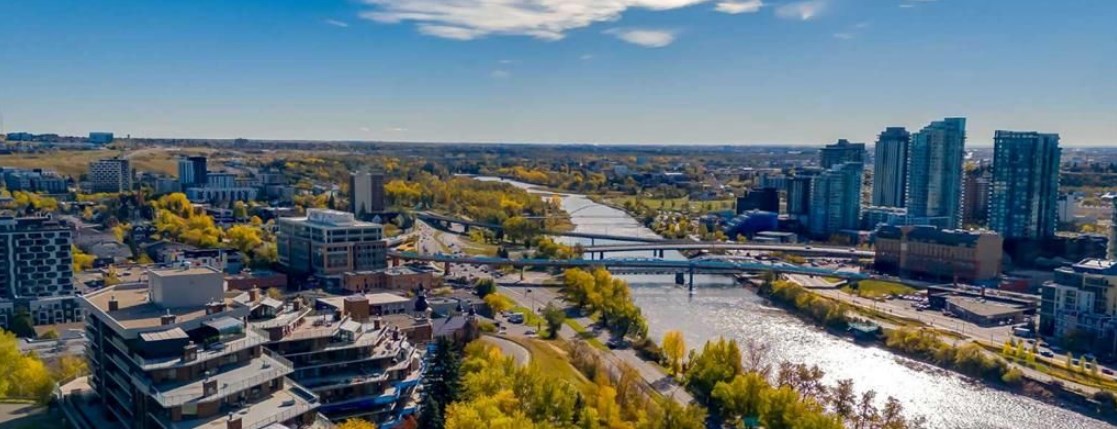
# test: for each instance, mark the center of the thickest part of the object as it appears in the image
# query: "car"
(1047, 354)
(529, 332)
(613, 344)
(807, 247)
(1107, 371)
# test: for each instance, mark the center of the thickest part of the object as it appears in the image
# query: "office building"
(874, 216)
(1081, 299)
(1111, 251)
(1025, 188)
(763, 199)
(100, 138)
(360, 354)
(221, 188)
(175, 353)
(975, 210)
(935, 172)
(945, 255)
(366, 193)
(841, 152)
(835, 203)
(110, 175)
(328, 243)
(890, 168)
(192, 171)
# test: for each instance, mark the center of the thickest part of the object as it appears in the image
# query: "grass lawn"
(552, 360)
(879, 288)
(586, 334)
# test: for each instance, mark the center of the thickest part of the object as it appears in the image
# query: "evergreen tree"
(431, 413)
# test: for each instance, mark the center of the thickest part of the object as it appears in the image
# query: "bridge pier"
(446, 268)
(601, 256)
(593, 242)
(690, 282)
(522, 273)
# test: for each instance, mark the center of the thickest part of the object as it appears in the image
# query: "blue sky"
(559, 71)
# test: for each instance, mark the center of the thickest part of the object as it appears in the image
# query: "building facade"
(836, 200)
(175, 353)
(192, 171)
(329, 242)
(935, 159)
(933, 253)
(975, 210)
(110, 175)
(1025, 188)
(366, 193)
(763, 199)
(890, 168)
(1082, 299)
(799, 196)
(35, 258)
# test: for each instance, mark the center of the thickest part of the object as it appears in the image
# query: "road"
(509, 348)
(655, 378)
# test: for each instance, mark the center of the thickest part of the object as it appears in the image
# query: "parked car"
(1047, 354)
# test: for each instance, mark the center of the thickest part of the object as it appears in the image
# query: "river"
(945, 399)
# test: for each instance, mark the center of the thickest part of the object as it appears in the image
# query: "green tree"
(498, 303)
(743, 397)
(555, 317)
(484, 287)
(719, 361)
(21, 324)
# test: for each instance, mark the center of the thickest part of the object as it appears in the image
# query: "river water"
(945, 399)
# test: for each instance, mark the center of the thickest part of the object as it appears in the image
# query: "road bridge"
(687, 267)
(658, 247)
(446, 220)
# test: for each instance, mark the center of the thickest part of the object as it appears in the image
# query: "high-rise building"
(763, 199)
(890, 168)
(366, 193)
(328, 243)
(836, 200)
(111, 175)
(175, 353)
(799, 196)
(192, 171)
(35, 258)
(935, 159)
(841, 152)
(1111, 251)
(975, 209)
(1025, 188)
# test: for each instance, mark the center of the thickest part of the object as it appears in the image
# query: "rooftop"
(1097, 266)
(191, 271)
(281, 406)
(135, 310)
(982, 307)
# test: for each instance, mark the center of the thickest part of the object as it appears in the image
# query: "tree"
(275, 293)
(485, 287)
(356, 424)
(499, 303)
(21, 324)
(555, 317)
(70, 367)
(741, 398)
(719, 361)
(843, 401)
(82, 260)
(240, 210)
(50, 334)
(674, 347)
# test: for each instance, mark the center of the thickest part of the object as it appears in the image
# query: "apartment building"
(175, 353)
(1082, 299)
(110, 175)
(328, 243)
(36, 270)
(361, 354)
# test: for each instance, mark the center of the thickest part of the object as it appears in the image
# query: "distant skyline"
(725, 72)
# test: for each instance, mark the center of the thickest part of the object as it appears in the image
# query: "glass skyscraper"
(935, 157)
(890, 168)
(836, 199)
(1025, 187)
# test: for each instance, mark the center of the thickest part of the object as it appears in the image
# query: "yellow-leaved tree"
(674, 348)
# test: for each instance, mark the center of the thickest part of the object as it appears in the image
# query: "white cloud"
(509, 61)
(736, 7)
(644, 37)
(801, 10)
(542, 19)
(586, 57)
(337, 23)
(500, 74)
(843, 36)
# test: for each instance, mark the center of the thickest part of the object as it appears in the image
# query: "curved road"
(509, 348)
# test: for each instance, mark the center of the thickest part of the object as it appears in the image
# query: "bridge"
(635, 265)
(446, 220)
(658, 247)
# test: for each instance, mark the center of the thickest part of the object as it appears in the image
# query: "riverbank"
(1055, 394)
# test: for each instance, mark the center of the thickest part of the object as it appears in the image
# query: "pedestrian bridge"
(798, 249)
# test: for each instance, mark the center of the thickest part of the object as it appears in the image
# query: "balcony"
(256, 372)
(250, 339)
(281, 406)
